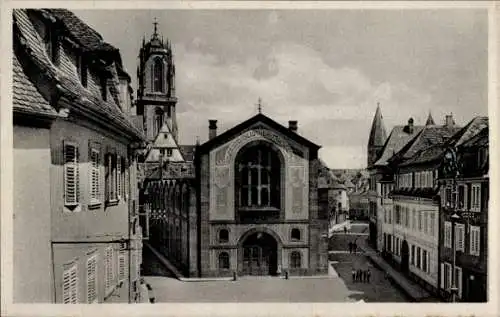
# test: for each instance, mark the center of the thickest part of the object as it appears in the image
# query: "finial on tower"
(259, 105)
(155, 23)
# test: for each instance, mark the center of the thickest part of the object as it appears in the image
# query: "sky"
(327, 69)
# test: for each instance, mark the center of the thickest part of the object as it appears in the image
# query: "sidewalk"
(413, 290)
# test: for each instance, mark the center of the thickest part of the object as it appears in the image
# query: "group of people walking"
(353, 247)
(360, 275)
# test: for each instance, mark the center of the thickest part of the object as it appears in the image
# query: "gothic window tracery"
(258, 177)
(158, 75)
(158, 120)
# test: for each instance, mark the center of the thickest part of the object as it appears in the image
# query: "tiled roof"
(398, 138)
(71, 88)
(429, 154)
(26, 97)
(187, 152)
(480, 139)
(475, 126)
(429, 136)
(84, 34)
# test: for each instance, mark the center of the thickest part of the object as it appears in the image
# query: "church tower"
(377, 139)
(156, 99)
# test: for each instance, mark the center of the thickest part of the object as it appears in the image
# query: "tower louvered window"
(158, 75)
(92, 280)
(71, 174)
(95, 190)
(70, 285)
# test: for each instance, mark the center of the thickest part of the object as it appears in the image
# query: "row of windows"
(295, 260)
(114, 267)
(474, 237)
(423, 179)
(466, 197)
(116, 177)
(418, 220)
(419, 257)
(295, 235)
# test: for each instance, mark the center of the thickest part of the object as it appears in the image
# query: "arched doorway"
(260, 254)
(405, 257)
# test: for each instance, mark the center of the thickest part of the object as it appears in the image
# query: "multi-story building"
(380, 150)
(247, 203)
(412, 235)
(466, 196)
(76, 234)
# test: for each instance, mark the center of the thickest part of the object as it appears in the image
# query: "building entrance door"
(260, 255)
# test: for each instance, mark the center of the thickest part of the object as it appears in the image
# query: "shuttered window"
(92, 279)
(71, 174)
(95, 190)
(122, 267)
(70, 285)
(475, 235)
(126, 179)
(112, 180)
(458, 280)
(118, 176)
(108, 269)
(447, 234)
(476, 197)
(459, 236)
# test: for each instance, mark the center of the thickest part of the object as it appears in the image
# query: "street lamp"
(451, 169)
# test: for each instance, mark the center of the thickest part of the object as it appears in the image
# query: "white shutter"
(70, 285)
(442, 275)
(122, 269)
(92, 280)
(95, 175)
(108, 269)
(119, 176)
(66, 289)
(71, 174)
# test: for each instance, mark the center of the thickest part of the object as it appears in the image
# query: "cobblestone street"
(379, 289)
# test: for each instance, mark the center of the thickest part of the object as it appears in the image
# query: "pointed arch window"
(158, 75)
(158, 121)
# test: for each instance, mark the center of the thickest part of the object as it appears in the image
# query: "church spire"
(430, 120)
(155, 31)
(378, 136)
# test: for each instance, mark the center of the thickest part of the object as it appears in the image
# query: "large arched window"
(223, 260)
(295, 260)
(258, 175)
(158, 75)
(158, 122)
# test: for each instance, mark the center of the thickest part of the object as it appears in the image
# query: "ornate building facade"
(245, 201)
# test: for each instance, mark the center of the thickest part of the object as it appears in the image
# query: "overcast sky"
(325, 68)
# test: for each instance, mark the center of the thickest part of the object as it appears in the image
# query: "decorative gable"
(164, 145)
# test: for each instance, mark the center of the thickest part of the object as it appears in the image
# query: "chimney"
(292, 125)
(449, 121)
(409, 127)
(212, 129)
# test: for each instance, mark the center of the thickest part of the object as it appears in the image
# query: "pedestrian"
(350, 247)
(368, 273)
(359, 275)
(355, 246)
(353, 275)
(345, 230)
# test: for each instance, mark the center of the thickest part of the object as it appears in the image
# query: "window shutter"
(442, 276)
(94, 175)
(108, 177)
(108, 269)
(122, 265)
(71, 174)
(92, 280)
(118, 176)
(66, 289)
